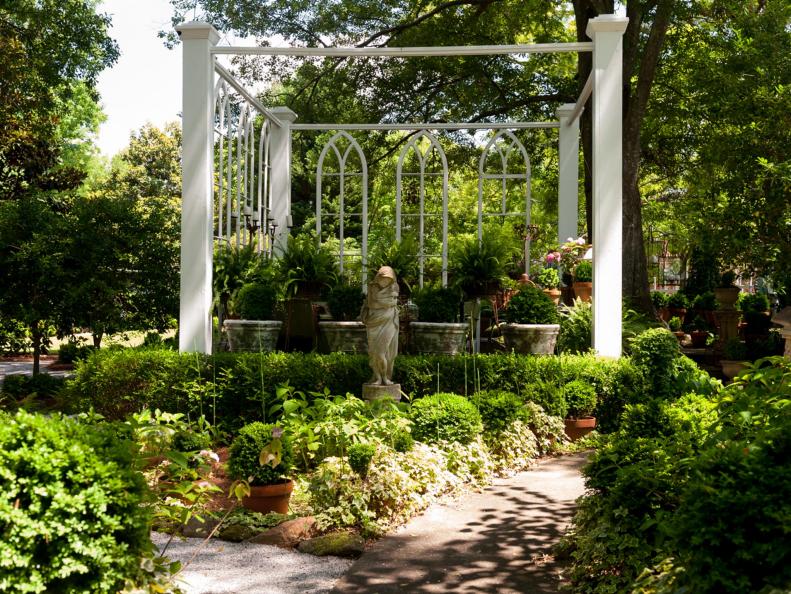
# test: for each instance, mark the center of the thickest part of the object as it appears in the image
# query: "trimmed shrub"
(345, 302)
(71, 511)
(256, 301)
(445, 417)
(580, 398)
(498, 409)
(583, 273)
(531, 306)
(360, 456)
(705, 301)
(653, 352)
(659, 299)
(403, 442)
(245, 452)
(437, 304)
(18, 386)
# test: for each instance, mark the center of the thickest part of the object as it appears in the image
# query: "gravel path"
(240, 568)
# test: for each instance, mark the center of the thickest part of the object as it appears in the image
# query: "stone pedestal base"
(379, 391)
(729, 323)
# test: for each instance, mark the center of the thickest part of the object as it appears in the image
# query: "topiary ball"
(360, 456)
(581, 399)
(445, 417)
(245, 453)
(499, 409)
(256, 301)
(71, 507)
(531, 306)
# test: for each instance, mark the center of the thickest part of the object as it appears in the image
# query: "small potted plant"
(256, 330)
(581, 400)
(438, 330)
(345, 333)
(675, 327)
(583, 280)
(660, 299)
(678, 303)
(699, 332)
(734, 358)
(549, 280)
(727, 292)
(309, 268)
(533, 322)
(262, 456)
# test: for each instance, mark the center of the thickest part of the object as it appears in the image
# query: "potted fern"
(438, 330)
(345, 333)
(533, 322)
(478, 267)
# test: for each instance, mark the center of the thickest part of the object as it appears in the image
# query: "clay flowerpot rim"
(279, 488)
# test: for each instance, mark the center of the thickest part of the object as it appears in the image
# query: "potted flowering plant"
(262, 456)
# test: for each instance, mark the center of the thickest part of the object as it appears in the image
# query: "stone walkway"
(499, 540)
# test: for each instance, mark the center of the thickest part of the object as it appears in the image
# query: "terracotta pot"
(553, 294)
(698, 338)
(664, 314)
(680, 335)
(680, 313)
(578, 428)
(583, 290)
(269, 498)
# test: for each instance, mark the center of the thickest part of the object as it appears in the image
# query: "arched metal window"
(505, 161)
(424, 145)
(343, 175)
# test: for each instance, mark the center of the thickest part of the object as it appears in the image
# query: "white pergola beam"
(280, 180)
(229, 78)
(607, 34)
(195, 298)
(407, 52)
(568, 174)
(430, 126)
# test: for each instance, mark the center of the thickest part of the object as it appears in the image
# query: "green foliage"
(307, 263)
(476, 266)
(360, 456)
(18, 386)
(256, 301)
(705, 301)
(576, 324)
(752, 303)
(674, 324)
(72, 351)
(445, 417)
(403, 441)
(71, 508)
(728, 279)
(581, 399)
(653, 352)
(190, 441)
(499, 410)
(531, 306)
(734, 350)
(345, 301)
(659, 299)
(14, 337)
(548, 278)
(401, 256)
(231, 269)
(438, 304)
(550, 431)
(583, 272)
(513, 449)
(246, 455)
(678, 300)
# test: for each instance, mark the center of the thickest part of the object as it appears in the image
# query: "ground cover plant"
(675, 465)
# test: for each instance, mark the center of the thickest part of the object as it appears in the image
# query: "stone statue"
(380, 316)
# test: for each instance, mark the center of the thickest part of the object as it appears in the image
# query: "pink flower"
(580, 241)
(277, 432)
(550, 257)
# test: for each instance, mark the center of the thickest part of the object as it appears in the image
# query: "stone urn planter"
(536, 339)
(726, 296)
(269, 498)
(578, 428)
(731, 369)
(343, 337)
(252, 335)
(438, 338)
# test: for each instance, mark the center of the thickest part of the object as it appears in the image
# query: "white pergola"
(256, 186)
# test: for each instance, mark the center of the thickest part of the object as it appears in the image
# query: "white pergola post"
(607, 34)
(280, 184)
(195, 322)
(568, 174)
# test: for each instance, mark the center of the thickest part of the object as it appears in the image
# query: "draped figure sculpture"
(380, 316)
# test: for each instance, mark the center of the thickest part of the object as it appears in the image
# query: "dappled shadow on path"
(497, 541)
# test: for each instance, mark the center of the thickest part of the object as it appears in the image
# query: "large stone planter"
(343, 337)
(438, 339)
(726, 296)
(535, 339)
(252, 336)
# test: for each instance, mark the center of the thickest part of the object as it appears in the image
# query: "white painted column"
(280, 185)
(606, 31)
(568, 174)
(195, 321)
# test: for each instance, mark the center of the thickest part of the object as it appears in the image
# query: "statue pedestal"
(380, 391)
(728, 320)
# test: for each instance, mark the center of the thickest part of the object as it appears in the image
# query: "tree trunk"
(97, 339)
(36, 335)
